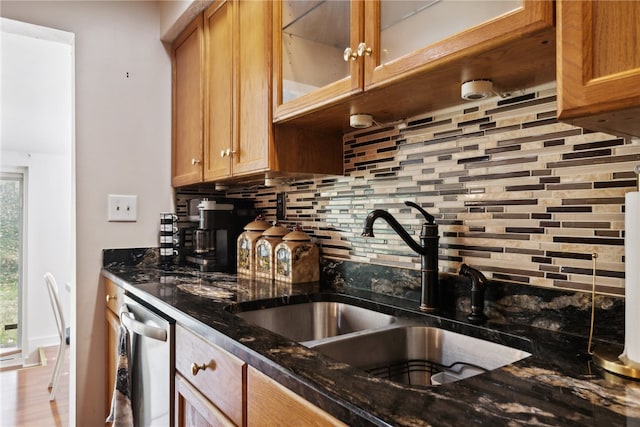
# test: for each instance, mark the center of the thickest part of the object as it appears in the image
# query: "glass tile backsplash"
(516, 194)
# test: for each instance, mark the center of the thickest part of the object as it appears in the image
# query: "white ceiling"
(35, 90)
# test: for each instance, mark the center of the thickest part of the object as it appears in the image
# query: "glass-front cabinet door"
(325, 50)
(310, 39)
(408, 25)
(404, 36)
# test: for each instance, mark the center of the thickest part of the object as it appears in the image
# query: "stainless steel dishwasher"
(151, 366)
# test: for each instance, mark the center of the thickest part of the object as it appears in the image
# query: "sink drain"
(423, 372)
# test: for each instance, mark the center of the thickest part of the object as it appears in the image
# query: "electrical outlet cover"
(122, 208)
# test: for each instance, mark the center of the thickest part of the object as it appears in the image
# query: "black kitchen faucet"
(427, 249)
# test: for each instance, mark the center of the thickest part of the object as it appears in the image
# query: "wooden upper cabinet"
(599, 65)
(254, 124)
(405, 37)
(219, 95)
(309, 41)
(238, 124)
(187, 109)
(240, 138)
(375, 43)
(223, 129)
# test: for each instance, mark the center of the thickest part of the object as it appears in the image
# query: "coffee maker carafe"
(213, 220)
(212, 246)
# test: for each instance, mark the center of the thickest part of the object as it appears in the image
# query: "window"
(11, 232)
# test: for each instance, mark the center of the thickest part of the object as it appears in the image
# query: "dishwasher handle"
(129, 321)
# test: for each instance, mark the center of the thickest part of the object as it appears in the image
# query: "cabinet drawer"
(269, 403)
(114, 295)
(222, 379)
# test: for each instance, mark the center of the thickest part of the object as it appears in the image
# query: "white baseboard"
(35, 343)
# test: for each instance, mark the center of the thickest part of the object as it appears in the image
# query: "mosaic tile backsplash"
(516, 194)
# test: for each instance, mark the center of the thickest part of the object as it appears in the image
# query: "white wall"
(37, 73)
(123, 139)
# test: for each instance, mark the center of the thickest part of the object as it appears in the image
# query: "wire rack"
(419, 371)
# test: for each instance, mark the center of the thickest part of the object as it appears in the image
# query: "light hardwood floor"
(24, 397)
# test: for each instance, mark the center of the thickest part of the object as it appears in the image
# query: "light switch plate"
(122, 208)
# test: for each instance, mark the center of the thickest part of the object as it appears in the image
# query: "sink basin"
(316, 320)
(417, 354)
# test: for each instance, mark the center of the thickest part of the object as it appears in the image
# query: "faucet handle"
(427, 216)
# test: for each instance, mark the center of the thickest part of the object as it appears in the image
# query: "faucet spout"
(427, 249)
(395, 225)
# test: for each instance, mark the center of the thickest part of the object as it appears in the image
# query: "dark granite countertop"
(556, 386)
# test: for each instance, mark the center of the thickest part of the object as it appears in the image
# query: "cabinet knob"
(195, 368)
(227, 153)
(111, 297)
(363, 49)
(195, 161)
(349, 54)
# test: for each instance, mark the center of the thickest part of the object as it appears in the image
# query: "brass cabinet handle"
(363, 49)
(195, 368)
(195, 161)
(111, 297)
(349, 54)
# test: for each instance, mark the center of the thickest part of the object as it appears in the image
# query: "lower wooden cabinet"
(271, 404)
(193, 409)
(215, 388)
(217, 377)
(114, 296)
(113, 326)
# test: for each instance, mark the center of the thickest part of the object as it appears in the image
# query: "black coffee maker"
(213, 242)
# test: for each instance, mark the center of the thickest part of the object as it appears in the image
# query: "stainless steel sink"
(397, 349)
(417, 354)
(316, 320)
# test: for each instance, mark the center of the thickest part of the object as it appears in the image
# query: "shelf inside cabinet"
(305, 19)
(406, 26)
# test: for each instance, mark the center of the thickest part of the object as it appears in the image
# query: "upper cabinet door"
(254, 138)
(388, 40)
(405, 36)
(599, 65)
(188, 89)
(220, 96)
(311, 63)
(238, 120)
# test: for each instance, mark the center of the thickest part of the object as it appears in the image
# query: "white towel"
(121, 413)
